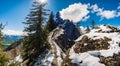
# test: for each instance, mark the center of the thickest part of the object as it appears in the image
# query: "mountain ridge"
(100, 46)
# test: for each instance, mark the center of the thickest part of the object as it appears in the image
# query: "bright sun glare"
(42, 1)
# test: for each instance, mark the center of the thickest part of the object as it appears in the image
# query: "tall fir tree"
(88, 29)
(93, 24)
(1, 27)
(59, 20)
(51, 24)
(36, 41)
(3, 59)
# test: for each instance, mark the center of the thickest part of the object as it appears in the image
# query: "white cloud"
(13, 32)
(79, 12)
(95, 8)
(118, 7)
(118, 14)
(108, 14)
(75, 12)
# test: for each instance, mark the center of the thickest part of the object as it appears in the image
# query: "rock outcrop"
(14, 51)
(70, 33)
(99, 47)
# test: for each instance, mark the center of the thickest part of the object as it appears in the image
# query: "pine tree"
(3, 59)
(35, 43)
(93, 24)
(59, 20)
(51, 24)
(1, 27)
(88, 29)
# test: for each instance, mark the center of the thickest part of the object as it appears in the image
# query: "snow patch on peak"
(104, 28)
(82, 29)
(85, 59)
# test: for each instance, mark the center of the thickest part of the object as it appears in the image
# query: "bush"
(3, 59)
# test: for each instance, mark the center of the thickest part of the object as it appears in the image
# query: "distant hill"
(9, 39)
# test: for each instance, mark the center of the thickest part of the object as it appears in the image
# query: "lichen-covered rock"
(111, 61)
(87, 44)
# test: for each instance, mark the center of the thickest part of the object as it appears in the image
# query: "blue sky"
(14, 11)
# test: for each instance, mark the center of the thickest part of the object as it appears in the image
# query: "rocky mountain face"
(14, 51)
(66, 39)
(14, 48)
(60, 39)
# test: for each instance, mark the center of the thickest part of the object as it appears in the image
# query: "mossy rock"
(110, 61)
(77, 48)
(85, 38)
(97, 27)
(73, 64)
(97, 44)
